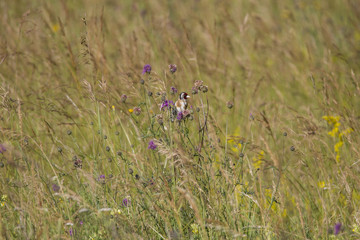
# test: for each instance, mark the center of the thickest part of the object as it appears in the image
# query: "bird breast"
(180, 105)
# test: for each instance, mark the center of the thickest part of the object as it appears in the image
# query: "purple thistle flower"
(180, 116)
(146, 69)
(152, 145)
(173, 90)
(2, 148)
(123, 98)
(55, 188)
(337, 228)
(102, 176)
(126, 202)
(166, 104)
(137, 111)
(172, 68)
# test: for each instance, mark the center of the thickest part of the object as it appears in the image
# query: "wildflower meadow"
(180, 119)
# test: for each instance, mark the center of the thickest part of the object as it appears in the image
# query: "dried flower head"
(77, 162)
(123, 98)
(146, 69)
(198, 86)
(172, 68)
(229, 104)
(204, 89)
(137, 111)
(152, 145)
(186, 113)
(159, 119)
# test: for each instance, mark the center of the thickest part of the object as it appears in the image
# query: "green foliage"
(268, 148)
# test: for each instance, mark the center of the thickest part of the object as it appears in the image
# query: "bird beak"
(187, 96)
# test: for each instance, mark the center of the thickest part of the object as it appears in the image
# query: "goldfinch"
(181, 103)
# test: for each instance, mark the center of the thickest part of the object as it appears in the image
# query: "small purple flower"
(166, 104)
(152, 145)
(172, 68)
(71, 232)
(101, 179)
(251, 117)
(126, 202)
(151, 181)
(180, 116)
(81, 222)
(173, 90)
(55, 188)
(146, 69)
(337, 228)
(2, 148)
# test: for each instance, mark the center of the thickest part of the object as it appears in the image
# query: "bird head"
(184, 96)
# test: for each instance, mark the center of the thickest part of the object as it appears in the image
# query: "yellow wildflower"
(342, 200)
(239, 189)
(321, 184)
(194, 228)
(235, 141)
(3, 200)
(236, 148)
(268, 195)
(113, 107)
(131, 110)
(284, 213)
(115, 211)
(55, 27)
(356, 196)
(334, 122)
(356, 229)
(257, 161)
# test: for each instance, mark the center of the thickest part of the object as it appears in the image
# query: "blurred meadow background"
(90, 147)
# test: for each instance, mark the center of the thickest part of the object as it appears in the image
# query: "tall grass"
(269, 149)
